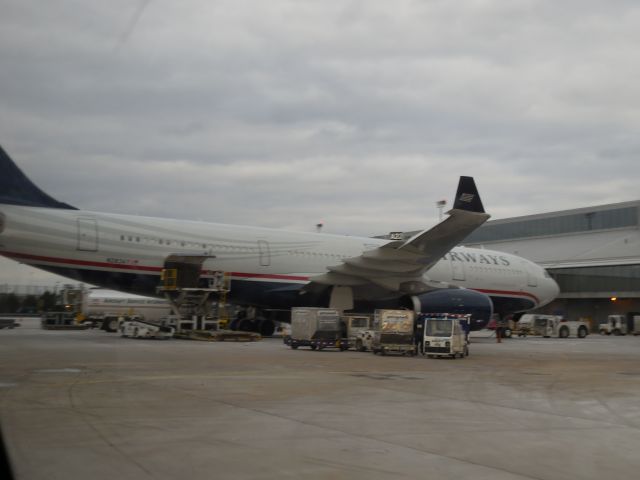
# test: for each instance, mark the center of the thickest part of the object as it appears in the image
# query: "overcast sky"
(360, 114)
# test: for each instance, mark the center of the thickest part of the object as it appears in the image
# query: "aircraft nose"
(553, 288)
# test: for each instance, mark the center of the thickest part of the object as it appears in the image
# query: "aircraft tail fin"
(467, 196)
(17, 189)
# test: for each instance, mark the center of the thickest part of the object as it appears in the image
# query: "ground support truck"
(393, 332)
(357, 324)
(551, 326)
(317, 328)
(628, 324)
(445, 335)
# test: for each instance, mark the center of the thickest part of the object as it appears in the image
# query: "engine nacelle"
(456, 300)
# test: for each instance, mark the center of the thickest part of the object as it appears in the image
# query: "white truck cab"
(444, 335)
(356, 325)
(621, 325)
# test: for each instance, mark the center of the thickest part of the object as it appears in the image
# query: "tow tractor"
(552, 326)
(445, 335)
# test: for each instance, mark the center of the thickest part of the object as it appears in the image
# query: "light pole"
(440, 204)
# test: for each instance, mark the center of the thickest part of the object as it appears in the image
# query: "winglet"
(17, 189)
(467, 196)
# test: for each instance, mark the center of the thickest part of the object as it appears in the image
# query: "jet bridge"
(190, 293)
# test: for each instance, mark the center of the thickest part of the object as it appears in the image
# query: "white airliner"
(274, 270)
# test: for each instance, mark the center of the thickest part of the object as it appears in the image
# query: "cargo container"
(394, 332)
(317, 328)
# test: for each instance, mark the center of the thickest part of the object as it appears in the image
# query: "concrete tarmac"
(89, 404)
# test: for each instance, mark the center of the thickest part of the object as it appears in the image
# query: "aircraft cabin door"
(264, 253)
(457, 270)
(87, 234)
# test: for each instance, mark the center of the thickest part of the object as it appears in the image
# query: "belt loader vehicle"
(445, 335)
(317, 328)
(8, 323)
(393, 332)
(137, 328)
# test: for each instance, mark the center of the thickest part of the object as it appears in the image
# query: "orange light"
(613, 299)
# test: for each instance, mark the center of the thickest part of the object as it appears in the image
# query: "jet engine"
(455, 300)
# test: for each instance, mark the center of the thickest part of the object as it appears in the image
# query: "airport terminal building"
(593, 253)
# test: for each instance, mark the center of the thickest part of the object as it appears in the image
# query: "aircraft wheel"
(266, 327)
(246, 325)
(111, 325)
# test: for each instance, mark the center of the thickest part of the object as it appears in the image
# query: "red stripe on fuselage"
(507, 292)
(123, 266)
(82, 263)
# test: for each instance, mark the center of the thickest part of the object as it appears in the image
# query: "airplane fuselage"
(127, 253)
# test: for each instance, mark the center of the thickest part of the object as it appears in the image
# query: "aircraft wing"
(399, 265)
